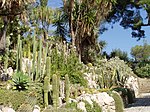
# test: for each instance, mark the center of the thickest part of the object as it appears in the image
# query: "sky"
(116, 38)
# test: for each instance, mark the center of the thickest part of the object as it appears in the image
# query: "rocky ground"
(142, 104)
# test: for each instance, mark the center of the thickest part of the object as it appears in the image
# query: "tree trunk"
(3, 35)
(71, 22)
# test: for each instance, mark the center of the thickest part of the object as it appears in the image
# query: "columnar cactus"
(40, 56)
(38, 67)
(48, 65)
(28, 51)
(20, 50)
(67, 88)
(55, 91)
(6, 60)
(46, 61)
(46, 89)
(34, 56)
(18, 53)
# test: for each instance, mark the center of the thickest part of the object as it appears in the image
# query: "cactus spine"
(67, 89)
(55, 91)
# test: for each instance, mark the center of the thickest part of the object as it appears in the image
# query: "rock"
(36, 108)
(81, 106)
(7, 109)
(132, 83)
(4, 77)
(10, 71)
(105, 101)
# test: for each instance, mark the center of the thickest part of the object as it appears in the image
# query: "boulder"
(81, 106)
(7, 109)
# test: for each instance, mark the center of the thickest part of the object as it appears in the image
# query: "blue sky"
(116, 38)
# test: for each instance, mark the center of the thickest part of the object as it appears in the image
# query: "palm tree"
(9, 9)
(85, 17)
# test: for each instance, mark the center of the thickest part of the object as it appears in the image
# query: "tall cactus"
(19, 55)
(48, 65)
(6, 60)
(46, 89)
(38, 67)
(40, 56)
(67, 88)
(34, 56)
(55, 91)
(20, 50)
(18, 46)
(46, 61)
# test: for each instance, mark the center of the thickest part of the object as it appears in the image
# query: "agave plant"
(20, 81)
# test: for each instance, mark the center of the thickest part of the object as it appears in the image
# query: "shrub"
(92, 108)
(14, 98)
(20, 81)
(143, 71)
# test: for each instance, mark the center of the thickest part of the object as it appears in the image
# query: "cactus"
(118, 101)
(34, 56)
(40, 56)
(46, 61)
(19, 55)
(28, 51)
(55, 91)
(46, 89)
(38, 67)
(6, 60)
(67, 89)
(18, 46)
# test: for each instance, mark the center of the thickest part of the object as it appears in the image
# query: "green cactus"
(34, 56)
(40, 56)
(18, 53)
(45, 52)
(46, 89)
(55, 91)
(67, 88)
(20, 62)
(38, 67)
(118, 102)
(28, 51)
(6, 60)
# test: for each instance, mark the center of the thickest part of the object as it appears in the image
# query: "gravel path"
(142, 104)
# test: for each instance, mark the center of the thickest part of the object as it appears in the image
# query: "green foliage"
(13, 98)
(92, 108)
(118, 53)
(141, 52)
(20, 81)
(25, 108)
(65, 61)
(118, 102)
(113, 72)
(125, 93)
(143, 71)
